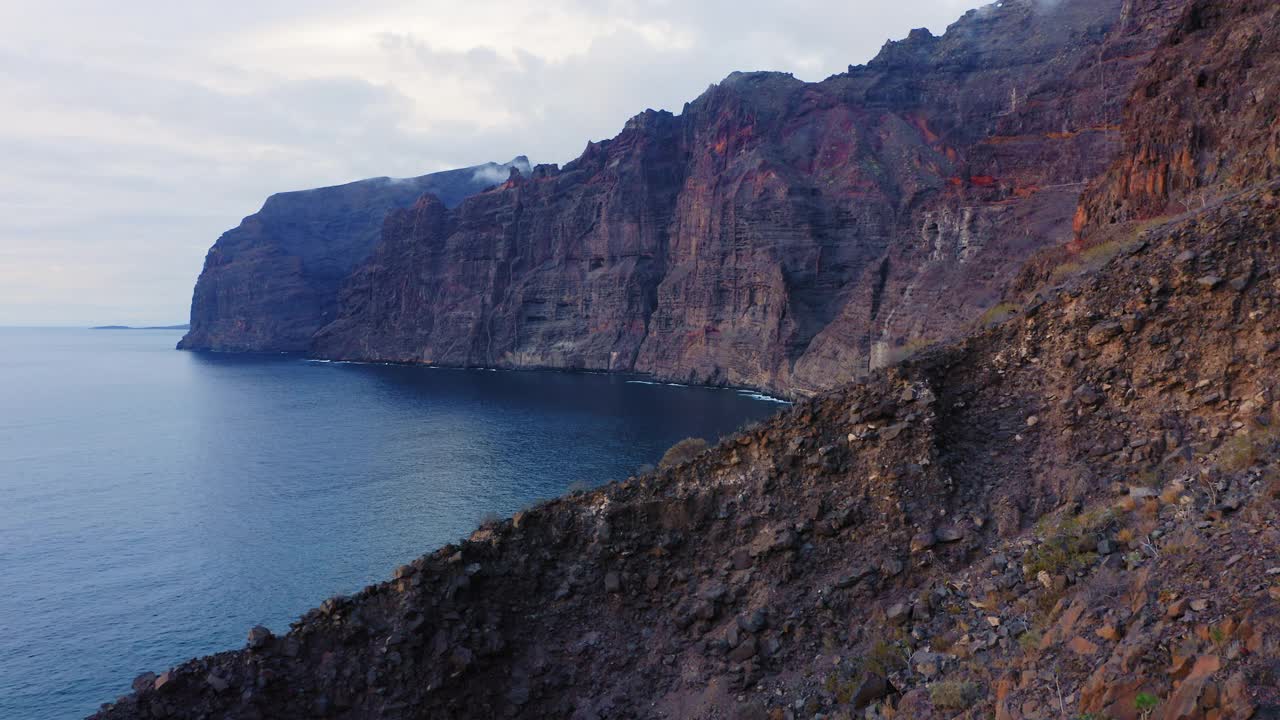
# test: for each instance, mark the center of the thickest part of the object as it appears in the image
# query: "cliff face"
(1075, 510)
(270, 283)
(1201, 122)
(776, 234)
(1075, 513)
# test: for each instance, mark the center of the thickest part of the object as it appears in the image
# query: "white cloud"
(135, 133)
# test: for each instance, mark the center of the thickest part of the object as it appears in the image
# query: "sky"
(134, 133)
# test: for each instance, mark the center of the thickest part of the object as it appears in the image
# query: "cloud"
(491, 174)
(137, 132)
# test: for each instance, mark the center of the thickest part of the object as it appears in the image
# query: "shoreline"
(630, 377)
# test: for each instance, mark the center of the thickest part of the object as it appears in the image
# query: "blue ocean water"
(155, 504)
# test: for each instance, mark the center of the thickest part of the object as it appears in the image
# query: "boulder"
(259, 636)
(923, 541)
(1103, 333)
(744, 651)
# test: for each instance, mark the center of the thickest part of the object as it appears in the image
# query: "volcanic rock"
(271, 283)
(776, 234)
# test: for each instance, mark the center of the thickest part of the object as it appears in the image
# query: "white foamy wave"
(761, 396)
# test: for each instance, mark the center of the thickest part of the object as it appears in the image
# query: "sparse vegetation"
(1245, 451)
(1092, 258)
(883, 658)
(1148, 477)
(1029, 641)
(1046, 602)
(953, 695)
(1050, 556)
(682, 452)
(1218, 635)
(843, 688)
(998, 313)
(1068, 546)
(1146, 703)
(902, 352)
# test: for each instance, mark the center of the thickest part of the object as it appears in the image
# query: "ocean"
(156, 504)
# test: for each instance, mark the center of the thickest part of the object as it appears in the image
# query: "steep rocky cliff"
(1071, 514)
(777, 234)
(1074, 512)
(1203, 120)
(270, 283)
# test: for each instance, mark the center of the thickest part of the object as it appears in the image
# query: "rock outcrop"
(777, 234)
(270, 283)
(1202, 120)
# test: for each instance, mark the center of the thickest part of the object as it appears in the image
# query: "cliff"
(270, 283)
(1076, 509)
(1073, 513)
(778, 234)
(1201, 123)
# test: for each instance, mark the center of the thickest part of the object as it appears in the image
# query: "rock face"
(777, 234)
(901, 548)
(268, 285)
(911, 546)
(1202, 120)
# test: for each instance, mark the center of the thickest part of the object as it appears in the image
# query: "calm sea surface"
(156, 504)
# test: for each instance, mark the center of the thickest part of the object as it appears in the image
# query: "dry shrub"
(953, 695)
(682, 452)
(998, 314)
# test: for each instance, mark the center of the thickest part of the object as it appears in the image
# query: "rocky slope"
(270, 283)
(776, 234)
(1071, 514)
(1074, 512)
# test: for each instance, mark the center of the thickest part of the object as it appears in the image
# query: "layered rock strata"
(270, 283)
(778, 234)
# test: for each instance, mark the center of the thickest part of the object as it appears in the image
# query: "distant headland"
(183, 326)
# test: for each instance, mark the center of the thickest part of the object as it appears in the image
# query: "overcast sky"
(133, 133)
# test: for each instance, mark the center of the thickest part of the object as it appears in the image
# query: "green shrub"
(1145, 703)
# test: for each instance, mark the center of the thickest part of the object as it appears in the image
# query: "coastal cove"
(160, 503)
